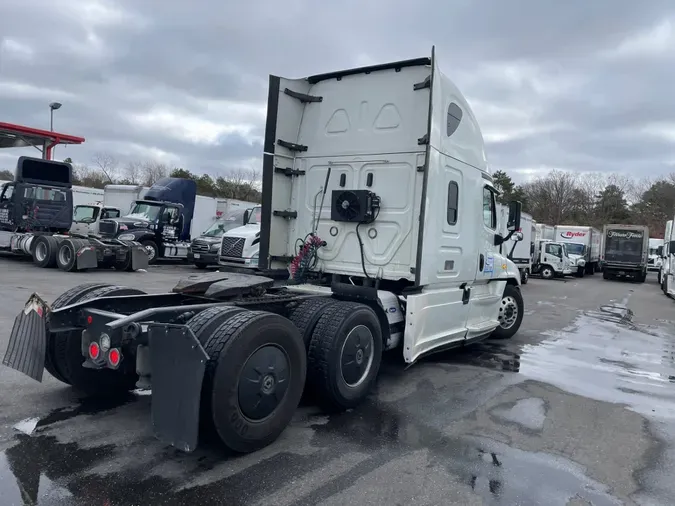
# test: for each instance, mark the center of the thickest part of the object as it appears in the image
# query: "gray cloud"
(571, 85)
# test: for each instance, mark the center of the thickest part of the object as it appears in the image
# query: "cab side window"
(7, 193)
(489, 208)
(453, 202)
(554, 249)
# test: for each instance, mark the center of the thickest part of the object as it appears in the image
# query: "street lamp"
(52, 107)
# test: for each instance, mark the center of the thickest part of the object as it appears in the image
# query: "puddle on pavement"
(603, 355)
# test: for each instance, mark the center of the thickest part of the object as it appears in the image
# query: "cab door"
(7, 204)
(553, 256)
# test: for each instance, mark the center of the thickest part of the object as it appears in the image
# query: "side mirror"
(247, 215)
(515, 208)
(659, 251)
(671, 247)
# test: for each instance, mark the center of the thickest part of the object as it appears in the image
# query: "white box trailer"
(583, 245)
(123, 196)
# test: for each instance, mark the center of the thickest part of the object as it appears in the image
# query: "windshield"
(220, 226)
(144, 211)
(254, 218)
(85, 213)
(574, 248)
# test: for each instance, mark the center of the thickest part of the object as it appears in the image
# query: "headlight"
(126, 237)
(581, 262)
(214, 247)
(255, 257)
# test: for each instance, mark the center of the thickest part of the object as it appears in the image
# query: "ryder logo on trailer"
(571, 235)
(621, 234)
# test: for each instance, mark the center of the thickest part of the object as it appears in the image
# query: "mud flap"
(28, 340)
(177, 363)
(86, 258)
(139, 257)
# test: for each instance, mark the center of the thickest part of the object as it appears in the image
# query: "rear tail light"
(94, 351)
(114, 357)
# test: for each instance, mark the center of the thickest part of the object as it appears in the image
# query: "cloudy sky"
(582, 85)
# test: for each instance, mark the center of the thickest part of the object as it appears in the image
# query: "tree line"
(568, 198)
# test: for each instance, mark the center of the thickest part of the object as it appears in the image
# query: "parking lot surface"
(578, 408)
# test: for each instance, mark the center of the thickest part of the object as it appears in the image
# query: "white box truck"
(654, 259)
(402, 253)
(549, 258)
(583, 247)
(520, 247)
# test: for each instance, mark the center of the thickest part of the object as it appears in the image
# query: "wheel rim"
(151, 252)
(41, 252)
(356, 357)
(65, 255)
(263, 382)
(508, 312)
(547, 273)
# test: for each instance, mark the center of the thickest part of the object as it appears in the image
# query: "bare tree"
(133, 172)
(153, 171)
(107, 164)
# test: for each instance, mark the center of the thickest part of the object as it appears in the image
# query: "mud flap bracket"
(177, 362)
(28, 340)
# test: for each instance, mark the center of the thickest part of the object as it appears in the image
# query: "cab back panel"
(367, 128)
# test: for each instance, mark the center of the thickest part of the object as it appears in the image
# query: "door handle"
(481, 262)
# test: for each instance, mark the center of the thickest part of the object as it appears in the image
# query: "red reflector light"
(94, 351)
(89, 320)
(114, 357)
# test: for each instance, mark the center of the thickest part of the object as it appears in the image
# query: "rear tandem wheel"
(254, 378)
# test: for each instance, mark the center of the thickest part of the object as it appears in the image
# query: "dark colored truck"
(36, 214)
(162, 222)
(625, 252)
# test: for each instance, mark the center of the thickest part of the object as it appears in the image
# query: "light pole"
(52, 107)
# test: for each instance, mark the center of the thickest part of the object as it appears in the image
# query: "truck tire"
(547, 272)
(580, 272)
(511, 311)
(344, 355)
(249, 415)
(205, 323)
(524, 277)
(605, 274)
(66, 257)
(44, 249)
(66, 298)
(152, 249)
(306, 315)
(68, 357)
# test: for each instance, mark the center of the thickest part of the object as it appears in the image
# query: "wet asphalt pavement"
(577, 409)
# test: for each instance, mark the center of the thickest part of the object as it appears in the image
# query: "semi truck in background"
(550, 259)
(377, 268)
(36, 216)
(665, 277)
(165, 217)
(655, 251)
(583, 247)
(240, 246)
(625, 250)
(205, 249)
